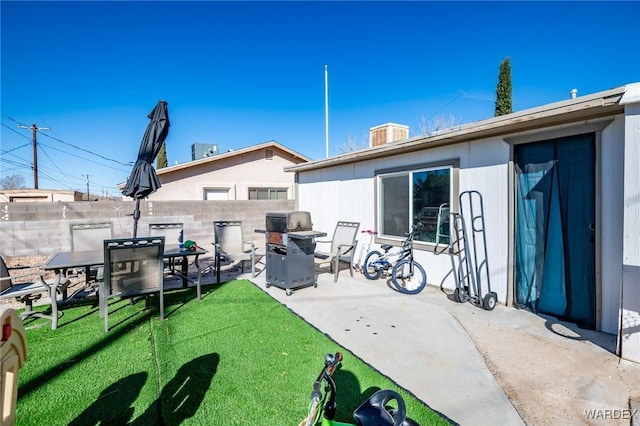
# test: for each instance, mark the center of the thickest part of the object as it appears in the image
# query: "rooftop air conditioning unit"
(386, 133)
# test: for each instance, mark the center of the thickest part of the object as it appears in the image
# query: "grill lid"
(288, 221)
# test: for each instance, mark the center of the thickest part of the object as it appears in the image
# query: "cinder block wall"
(44, 228)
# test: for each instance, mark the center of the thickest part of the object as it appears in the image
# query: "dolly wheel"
(457, 295)
(315, 284)
(490, 300)
(289, 292)
(268, 285)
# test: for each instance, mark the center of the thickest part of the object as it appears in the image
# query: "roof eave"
(587, 107)
(218, 157)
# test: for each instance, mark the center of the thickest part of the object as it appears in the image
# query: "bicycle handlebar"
(331, 361)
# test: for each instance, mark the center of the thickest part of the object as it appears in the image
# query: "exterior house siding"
(38, 195)
(344, 188)
(236, 174)
(484, 167)
(233, 173)
(356, 200)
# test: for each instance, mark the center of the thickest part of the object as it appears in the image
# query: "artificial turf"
(237, 357)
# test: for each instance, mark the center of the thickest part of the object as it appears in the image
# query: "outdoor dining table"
(61, 262)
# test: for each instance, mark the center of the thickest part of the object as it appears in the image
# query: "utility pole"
(34, 131)
(87, 176)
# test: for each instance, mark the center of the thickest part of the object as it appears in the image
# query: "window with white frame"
(216, 193)
(418, 194)
(267, 193)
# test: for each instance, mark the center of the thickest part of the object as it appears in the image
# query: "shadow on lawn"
(178, 401)
(175, 301)
(348, 393)
(178, 299)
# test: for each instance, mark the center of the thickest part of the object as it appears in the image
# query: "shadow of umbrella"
(143, 179)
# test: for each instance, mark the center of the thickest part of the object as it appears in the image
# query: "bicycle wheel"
(372, 271)
(409, 277)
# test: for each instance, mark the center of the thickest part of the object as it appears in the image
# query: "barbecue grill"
(290, 249)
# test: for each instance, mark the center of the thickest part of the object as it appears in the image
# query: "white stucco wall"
(38, 195)
(236, 174)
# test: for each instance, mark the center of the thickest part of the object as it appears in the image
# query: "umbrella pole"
(136, 216)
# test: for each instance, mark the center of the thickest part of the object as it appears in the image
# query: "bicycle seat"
(386, 247)
(374, 411)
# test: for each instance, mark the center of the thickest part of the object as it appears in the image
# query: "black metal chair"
(132, 267)
(29, 290)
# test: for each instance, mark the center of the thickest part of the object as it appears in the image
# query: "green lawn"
(238, 357)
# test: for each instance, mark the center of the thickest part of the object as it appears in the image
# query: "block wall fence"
(28, 229)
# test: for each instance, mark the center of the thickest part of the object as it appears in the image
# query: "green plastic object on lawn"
(375, 411)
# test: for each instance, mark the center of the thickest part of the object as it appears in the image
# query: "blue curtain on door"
(555, 218)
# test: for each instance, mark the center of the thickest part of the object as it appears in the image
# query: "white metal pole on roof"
(326, 110)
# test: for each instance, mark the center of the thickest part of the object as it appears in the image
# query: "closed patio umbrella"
(143, 179)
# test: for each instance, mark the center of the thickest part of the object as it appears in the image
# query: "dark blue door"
(555, 224)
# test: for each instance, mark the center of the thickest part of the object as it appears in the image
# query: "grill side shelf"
(306, 235)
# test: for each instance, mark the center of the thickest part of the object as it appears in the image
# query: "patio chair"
(173, 233)
(90, 236)
(29, 290)
(132, 267)
(230, 246)
(343, 246)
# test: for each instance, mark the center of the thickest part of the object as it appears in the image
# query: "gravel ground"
(77, 280)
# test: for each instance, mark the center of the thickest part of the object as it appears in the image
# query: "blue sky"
(241, 73)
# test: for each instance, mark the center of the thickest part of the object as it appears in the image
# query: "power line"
(15, 131)
(7, 151)
(86, 150)
(55, 165)
(534, 36)
(82, 158)
(66, 143)
(23, 165)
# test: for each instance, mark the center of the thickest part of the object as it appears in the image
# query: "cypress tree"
(503, 90)
(161, 161)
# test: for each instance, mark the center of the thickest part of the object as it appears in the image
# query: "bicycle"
(407, 275)
(375, 411)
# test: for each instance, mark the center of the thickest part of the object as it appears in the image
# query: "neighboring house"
(561, 192)
(38, 195)
(252, 173)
